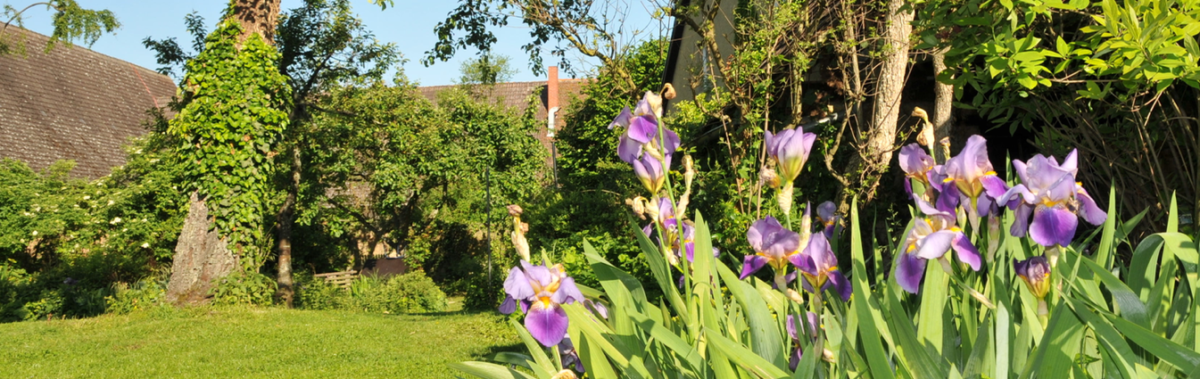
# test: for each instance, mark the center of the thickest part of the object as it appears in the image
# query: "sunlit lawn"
(251, 342)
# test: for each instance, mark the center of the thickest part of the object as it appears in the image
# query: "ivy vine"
(229, 128)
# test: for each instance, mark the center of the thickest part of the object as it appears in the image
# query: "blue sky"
(409, 24)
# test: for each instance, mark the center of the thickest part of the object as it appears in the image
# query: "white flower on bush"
(115, 221)
(110, 202)
(145, 245)
(35, 233)
(86, 197)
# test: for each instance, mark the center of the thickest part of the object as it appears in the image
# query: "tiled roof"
(74, 103)
(515, 94)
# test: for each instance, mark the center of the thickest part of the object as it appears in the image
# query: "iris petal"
(629, 150)
(642, 129)
(567, 292)
(1053, 226)
(1020, 226)
(1088, 209)
(622, 119)
(840, 284)
(993, 185)
(967, 253)
(935, 245)
(909, 271)
(517, 284)
(508, 306)
(547, 324)
(751, 264)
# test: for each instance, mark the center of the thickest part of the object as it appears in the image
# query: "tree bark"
(286, 220)
(201, 257)
(876, 151)
(257, 16)
(943, 119)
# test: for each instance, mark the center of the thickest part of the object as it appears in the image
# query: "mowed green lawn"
(251, 342)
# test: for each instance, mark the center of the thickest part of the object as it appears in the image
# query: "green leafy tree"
(1101, 76)
(390, 170)
(486, 69)
(71, 23)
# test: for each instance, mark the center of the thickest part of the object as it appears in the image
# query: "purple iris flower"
(773, 245)
(973, 176)
(670, 226)
(790, 149)
(650, 172)
(570, 356)
(819, 268)
(827, 216)
(689, 239)
(1049, 192)
(1036, 274)
(916, 164)
(793, 326)
(931, 238)
(642, 124)
(947, 195)
(541, 291)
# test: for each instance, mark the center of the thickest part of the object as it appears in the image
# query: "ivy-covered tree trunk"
(230, 125)
(872, 162)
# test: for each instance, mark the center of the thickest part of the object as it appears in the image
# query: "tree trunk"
(873, 161)
(286, 220)
(201, 257)
(943, 119)
(257, 16)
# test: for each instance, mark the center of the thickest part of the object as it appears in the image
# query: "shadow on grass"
(491, 352)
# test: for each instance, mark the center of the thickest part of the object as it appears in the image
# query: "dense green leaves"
(228, 130)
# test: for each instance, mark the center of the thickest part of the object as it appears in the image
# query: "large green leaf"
(544, 367)
(1184, 359)
(626, 358)
(745, 358)
(1120, 355)
(1060, 343)
(662, 272)
(765, 336)
(915, 354)
(877, 359)
(1130, 306)
(489, 370)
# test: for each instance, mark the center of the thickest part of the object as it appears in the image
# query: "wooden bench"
(340, 279)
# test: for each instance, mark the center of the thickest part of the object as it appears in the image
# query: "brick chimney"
(552, 88)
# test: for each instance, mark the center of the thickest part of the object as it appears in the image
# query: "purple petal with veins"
(548, 325)
(909, 271)
(1053, 226)
(751, 264)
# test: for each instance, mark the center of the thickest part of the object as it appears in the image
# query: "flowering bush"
(966, 316)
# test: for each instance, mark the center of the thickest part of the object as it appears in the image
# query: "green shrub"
(413, 292)
(142, 295)
(479, 297)
(416, 293)
(315, 293)
(241, 287)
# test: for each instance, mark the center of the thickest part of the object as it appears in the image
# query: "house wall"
(690, 62)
